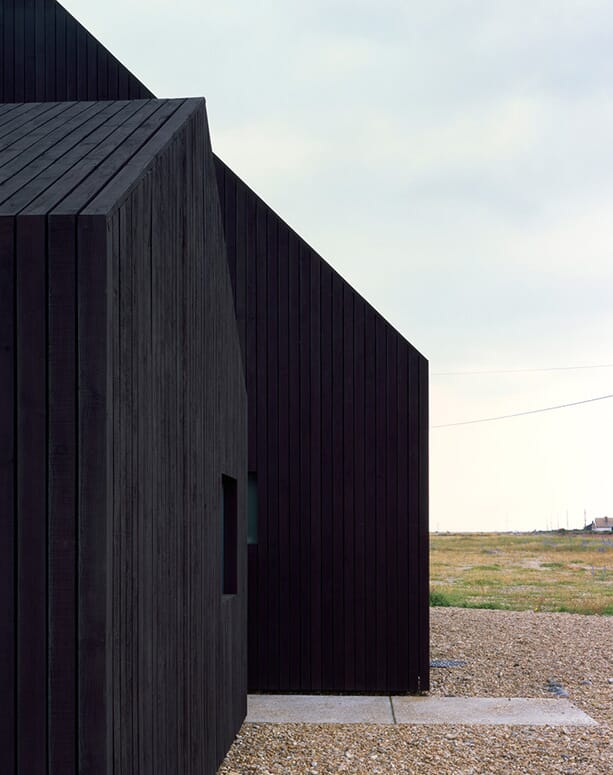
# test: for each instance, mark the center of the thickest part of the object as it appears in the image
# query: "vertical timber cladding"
(46, 55)
(338, 426)
(123, 399)
(345, 482)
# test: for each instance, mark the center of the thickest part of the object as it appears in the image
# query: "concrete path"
(327, 709)
(318, 709)
(488, 710)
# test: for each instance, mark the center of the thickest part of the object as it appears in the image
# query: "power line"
(521, 414)
(519, 371)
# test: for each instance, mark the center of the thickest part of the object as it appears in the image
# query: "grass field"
(557, 571)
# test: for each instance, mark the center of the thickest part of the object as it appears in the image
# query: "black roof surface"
(64, 157)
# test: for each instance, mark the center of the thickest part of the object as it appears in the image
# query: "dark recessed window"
(252, 509)
(229, 546)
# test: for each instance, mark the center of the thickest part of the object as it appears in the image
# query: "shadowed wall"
(338, 447)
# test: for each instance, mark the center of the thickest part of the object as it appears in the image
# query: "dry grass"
(556, 571)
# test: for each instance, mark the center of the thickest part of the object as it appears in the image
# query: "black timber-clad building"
(337, 438)
(123, 441)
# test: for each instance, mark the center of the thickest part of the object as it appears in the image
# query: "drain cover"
(447, 663)
(555, 687)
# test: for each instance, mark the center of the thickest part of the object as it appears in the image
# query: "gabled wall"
(122, 405)
(338, 446)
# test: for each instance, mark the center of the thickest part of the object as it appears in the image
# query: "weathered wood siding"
(46, 55)
(338, 443)
(122, 404)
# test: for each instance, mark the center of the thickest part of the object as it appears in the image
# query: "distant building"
(601, 525)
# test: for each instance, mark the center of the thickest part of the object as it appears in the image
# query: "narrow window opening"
(252, 509)
(229, 535)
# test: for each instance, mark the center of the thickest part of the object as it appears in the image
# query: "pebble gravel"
(506, 654)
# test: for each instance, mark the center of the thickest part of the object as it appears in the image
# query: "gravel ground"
(507, 654)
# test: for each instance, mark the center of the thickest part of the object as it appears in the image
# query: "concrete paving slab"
(318, 709)
(328, 709)
(488, 710)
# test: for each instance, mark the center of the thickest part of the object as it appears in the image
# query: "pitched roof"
(63, 157)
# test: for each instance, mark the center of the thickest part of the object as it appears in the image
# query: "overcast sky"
(453, 160)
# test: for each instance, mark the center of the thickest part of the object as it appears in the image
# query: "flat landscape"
(561, 571)
(533, 646)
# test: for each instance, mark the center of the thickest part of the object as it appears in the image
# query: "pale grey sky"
(453, 161)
